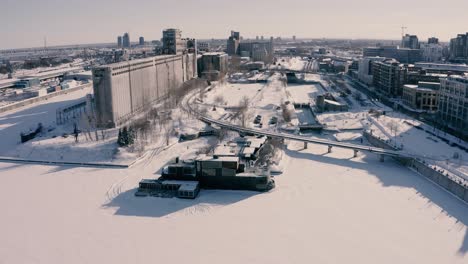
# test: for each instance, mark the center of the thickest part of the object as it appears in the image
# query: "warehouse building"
(123, 89)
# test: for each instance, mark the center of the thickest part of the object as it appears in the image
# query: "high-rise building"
(433, 40)
(172, 41)
(141, 41)
(432, 52)
(459, 48)
(389, 76)
(126, 40)
(235, 34)
(233, 43)
(453, 104)
(294, 38)
(119, 41)
(410, 42)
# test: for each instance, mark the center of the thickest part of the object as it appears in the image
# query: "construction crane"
(403, 31)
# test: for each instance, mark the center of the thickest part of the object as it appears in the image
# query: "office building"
(403, 55)
(126, 40)
(203, 46)
(213, 66)
(119, 41)
(416, 75)
(141, 41)
(389, 76)
(410, 42)
(433, 40)
(423, 97)
(453, 105)
(459, 48)
(124, 89)
(172, 41)
(432, 52)
(442, 68)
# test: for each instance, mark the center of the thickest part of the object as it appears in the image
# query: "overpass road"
(187, 106)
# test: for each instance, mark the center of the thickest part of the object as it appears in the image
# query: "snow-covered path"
(326, 208)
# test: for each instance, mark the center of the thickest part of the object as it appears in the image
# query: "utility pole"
(45, 42)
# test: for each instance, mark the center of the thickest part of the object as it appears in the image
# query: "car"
(273, 120)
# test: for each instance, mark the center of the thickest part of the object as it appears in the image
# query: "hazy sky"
(24, 23)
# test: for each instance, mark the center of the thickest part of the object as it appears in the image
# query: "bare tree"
(234, 64)
(243, 110)
(394, 129)
(286, 113)
(169, 130)
(219, 100)
(221, 135)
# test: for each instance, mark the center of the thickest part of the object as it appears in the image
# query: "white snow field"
(14, 122)
(326, 208)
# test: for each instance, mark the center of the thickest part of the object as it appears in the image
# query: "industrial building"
(213, 66)
(172, 41)
(125, 88)
(453, 105)
(422, 97)
(258, 50)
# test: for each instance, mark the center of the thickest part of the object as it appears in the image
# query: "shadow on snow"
(402, 177)
(128, 204)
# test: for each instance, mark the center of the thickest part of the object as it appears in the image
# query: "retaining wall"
(425, 170)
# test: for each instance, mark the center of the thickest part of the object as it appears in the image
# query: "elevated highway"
(329, 143)
(187, 106)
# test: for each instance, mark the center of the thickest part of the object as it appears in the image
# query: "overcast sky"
(25, 23)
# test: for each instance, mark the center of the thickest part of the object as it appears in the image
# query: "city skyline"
(29, 22)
